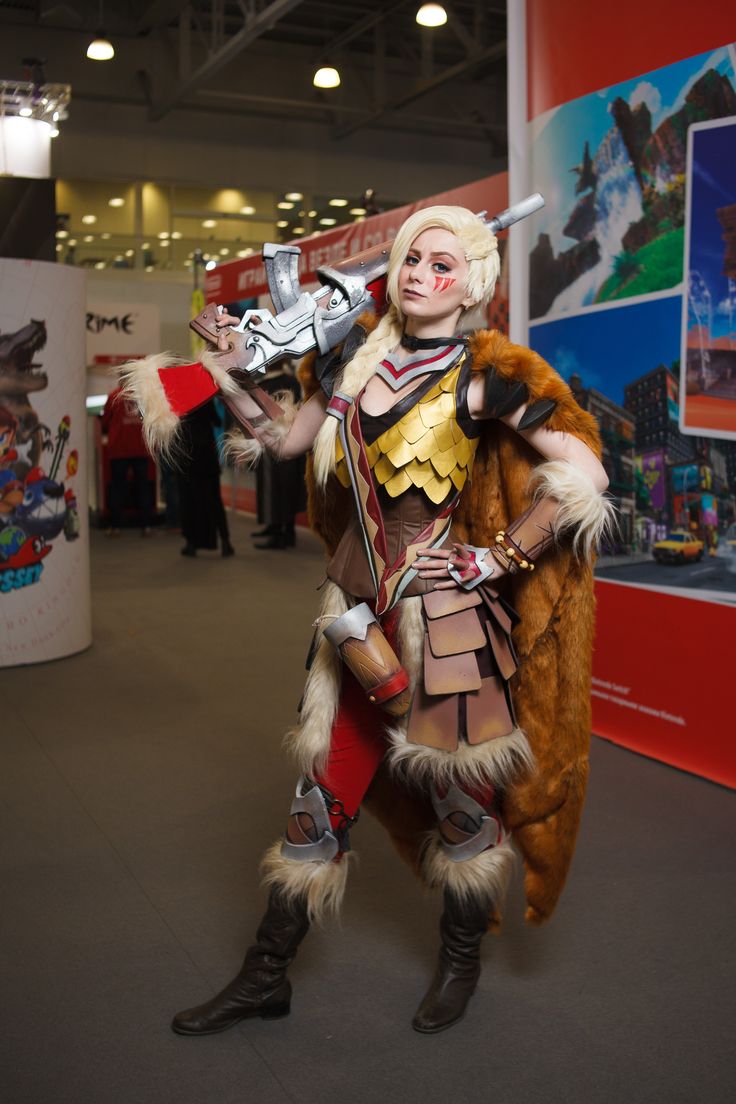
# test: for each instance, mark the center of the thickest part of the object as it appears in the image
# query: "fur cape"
(554, 641)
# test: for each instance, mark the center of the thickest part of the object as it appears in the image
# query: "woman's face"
(433, 277)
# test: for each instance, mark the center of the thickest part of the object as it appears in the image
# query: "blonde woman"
(409, 683)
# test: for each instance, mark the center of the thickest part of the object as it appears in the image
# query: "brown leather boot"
(261, 988)
(462, 926)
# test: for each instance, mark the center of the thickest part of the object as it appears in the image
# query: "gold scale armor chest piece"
(426, 448)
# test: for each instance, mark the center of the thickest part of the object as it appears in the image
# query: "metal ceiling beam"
(491, 53)
(359, 28)
(161, 11)
(252, 29)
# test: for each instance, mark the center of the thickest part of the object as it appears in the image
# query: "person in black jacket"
(202, 512)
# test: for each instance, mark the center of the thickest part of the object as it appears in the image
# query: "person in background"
(280, 488)
(202, 513)
(126, 450)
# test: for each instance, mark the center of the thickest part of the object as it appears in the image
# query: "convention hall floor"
(141, 782)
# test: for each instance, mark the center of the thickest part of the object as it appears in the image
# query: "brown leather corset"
(404, 518)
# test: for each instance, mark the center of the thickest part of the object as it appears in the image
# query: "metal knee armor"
(465, 827)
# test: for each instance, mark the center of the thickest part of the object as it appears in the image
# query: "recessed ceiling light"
(295, 196)
(89, 237)
(62, 233)
(209, 224)
(176, 235)
(327, 222)
(116, 201)
(130, 252)
(247, 210)
(244, 252)
(282, 224)
(210, 265)
(326, 77)
(164, 234)
(284, 205)
(149, 268)
(146, 245)
(53, 132)
(100, 264)
(339, 202)
(224, 252)
(164, 243)
(59, 247)
(431, 15)
(26, 112)
(89, 220)
(298, 229)
(119, 258)
(105, 236)
(357, 210)
(72, 241)
(312, 214)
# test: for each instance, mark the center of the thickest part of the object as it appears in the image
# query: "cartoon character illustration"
(20, 377)
(8, 428)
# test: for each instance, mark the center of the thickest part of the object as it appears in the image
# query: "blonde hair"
(480, 249)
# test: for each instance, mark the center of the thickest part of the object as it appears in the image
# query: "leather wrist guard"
(521, 544)
(366, 652)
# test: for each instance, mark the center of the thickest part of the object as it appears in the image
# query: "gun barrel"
(516, 212)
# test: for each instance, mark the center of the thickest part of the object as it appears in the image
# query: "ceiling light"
(119, 258)
(326, 77)
(146, 245)
(298, 229)
(149, 268)
(100, 49)
(164, 234)
(100, 264)
(224, 252)
(295, 196)
(89, 220)
(105, 236)
(59, 247)
(244, 252)
(339, 202)
(282, 224)
(62, 233)
(72, 241)
(327, 222)
(431, 15)
(247, 210)
(176, 235)
(26, 112)
(357, 210)
(312, 214)
(210, 265)
(130, 252)
(55, 116)
(53, 132)
(284, 205)
(164, 243)
(116, 201)
(89, 238)
(209, 224)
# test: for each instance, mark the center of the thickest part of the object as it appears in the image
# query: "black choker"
(416, 343)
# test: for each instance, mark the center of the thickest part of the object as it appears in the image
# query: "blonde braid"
(355, 375)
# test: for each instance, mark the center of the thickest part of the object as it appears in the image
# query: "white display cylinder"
(25, 147)
(44, 533)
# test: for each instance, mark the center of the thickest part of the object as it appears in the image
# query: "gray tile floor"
(141, 782)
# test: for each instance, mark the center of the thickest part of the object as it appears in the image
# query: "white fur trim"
(310, 739)
(142, 385)
(210, 361)
(485, 876)
(496, 761)
(249, 450)
(582, 506)
(322, 884)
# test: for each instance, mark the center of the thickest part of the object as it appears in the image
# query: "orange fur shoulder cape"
(554, 640)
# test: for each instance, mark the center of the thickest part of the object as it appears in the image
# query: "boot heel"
(276, 1011)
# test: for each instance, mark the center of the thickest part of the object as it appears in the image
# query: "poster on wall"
(708, 353)
(44, 552)
(607, 144)
(605, 308)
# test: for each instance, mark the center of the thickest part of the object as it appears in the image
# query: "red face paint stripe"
(442, 283)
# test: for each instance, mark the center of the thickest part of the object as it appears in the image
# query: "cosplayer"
(408, 705)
